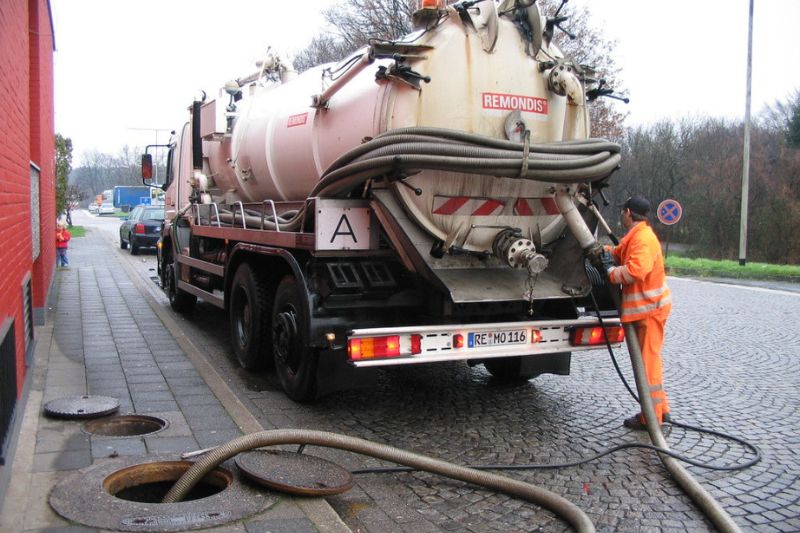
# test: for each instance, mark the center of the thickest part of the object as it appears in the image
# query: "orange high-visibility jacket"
(641, 273)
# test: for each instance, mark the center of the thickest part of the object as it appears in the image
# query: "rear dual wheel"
(295, 360)
(250, 308)
(273, 327)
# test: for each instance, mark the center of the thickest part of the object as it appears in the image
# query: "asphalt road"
(732, 359)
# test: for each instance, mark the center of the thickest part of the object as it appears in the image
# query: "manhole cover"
(81, 406)
(125, 426)
(124, 495)
(294, 473)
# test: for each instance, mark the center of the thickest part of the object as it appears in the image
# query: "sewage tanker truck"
(425, 200)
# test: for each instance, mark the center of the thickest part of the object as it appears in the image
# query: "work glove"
(606, 262)
(602, 260)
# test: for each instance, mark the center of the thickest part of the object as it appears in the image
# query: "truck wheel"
(180, 300)
(508, 369)
(134, 246)
(295, 360)
(250, 308)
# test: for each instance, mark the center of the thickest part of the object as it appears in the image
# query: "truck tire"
(134, 246)
(295, 361)
(508, 369)
(250, 309)
(180, 300)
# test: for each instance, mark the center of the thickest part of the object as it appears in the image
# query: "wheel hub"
(284, 335)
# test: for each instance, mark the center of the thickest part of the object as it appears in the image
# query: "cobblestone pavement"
(732, 360)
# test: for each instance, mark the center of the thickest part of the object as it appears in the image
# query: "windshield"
(153, 214)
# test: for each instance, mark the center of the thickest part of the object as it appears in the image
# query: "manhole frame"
(141, 417)
(82, 498)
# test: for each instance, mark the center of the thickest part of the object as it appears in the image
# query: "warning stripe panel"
(468, 206)
(464, 205)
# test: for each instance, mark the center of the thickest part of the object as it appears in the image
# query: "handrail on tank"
(241, 207)
(274, 214)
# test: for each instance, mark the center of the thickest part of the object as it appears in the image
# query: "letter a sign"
(344, 225)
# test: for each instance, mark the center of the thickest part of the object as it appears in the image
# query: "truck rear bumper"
(429, 344)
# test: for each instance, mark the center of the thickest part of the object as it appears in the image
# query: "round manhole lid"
(294, 473)
(125, 426)
(81, 406)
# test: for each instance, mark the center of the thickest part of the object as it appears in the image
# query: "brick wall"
(26, 135)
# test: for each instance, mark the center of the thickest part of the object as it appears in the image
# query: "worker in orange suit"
(646, 300)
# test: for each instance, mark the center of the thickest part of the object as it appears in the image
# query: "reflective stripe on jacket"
(641, 273)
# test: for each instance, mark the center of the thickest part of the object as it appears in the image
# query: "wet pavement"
(732, 363)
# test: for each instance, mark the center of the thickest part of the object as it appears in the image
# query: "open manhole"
(125, 426)
(124, 495)
(150, 482)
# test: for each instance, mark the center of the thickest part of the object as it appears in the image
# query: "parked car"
(107, 209)
(94, 208)
(141, 228)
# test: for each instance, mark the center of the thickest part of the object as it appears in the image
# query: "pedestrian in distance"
(62, 244)
(638, 266)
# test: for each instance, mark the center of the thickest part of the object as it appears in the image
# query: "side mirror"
(147, 168)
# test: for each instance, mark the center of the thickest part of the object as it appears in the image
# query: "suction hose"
(712, 509)
(542, 497)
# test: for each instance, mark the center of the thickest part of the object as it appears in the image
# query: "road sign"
(669, 212)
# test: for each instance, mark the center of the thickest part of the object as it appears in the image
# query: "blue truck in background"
(126, 197)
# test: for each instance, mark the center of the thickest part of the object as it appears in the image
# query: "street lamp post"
(746, 154)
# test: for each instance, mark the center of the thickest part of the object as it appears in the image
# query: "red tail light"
(416, 344)
(458, 340)
(596, 336)
(373, 347)
(138, 229)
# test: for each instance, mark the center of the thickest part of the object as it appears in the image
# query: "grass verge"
(77, 231)
(677, 266)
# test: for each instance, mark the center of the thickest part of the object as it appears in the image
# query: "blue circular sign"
(669, 212)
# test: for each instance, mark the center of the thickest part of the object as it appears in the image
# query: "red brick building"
(27, 193)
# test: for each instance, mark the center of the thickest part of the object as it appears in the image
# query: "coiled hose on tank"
(410, 150)
(539, 496)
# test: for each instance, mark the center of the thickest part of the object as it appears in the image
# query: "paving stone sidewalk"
(103, 338)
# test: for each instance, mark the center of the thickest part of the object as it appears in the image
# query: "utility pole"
(746, 155)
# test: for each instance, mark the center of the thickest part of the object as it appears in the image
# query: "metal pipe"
(321, 100)
(574, 219)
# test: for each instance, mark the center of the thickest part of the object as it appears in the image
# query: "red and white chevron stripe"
(464, 205)
(469, 206)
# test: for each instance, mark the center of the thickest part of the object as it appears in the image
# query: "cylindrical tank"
(280, 145)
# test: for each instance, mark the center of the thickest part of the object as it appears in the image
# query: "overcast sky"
(124, 65)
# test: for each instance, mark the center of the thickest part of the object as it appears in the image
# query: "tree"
(63, 168)
(785, 117)
(590, 48)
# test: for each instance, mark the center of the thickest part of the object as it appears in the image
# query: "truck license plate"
(495, 338)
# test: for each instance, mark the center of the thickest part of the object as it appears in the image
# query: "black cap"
(637, 204)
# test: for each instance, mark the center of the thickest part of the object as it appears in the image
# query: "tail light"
(596, 336)
(138, 229)
(373, 347)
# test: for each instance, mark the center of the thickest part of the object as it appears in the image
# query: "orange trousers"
(650, 332)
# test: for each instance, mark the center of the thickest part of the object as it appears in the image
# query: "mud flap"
(335, 373)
